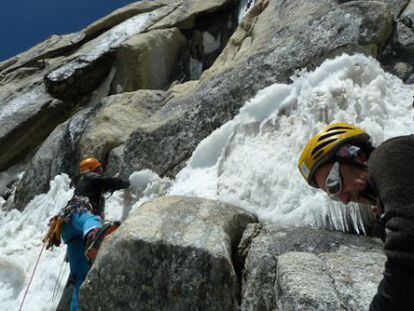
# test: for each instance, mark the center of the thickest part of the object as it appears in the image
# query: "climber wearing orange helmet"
(341, 161)
(90, 165)
(83, 229)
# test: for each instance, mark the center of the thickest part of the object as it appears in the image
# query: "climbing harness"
(31, 278)
(76, 204)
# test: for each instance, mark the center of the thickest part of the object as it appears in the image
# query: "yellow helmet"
(89, 164)
(324, 145)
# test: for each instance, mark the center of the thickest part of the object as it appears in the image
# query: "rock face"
(194, 40)
(147, 61)
(268, 46)
(306, 269)
(313, 291)
(178, 253)
(91, 132)
(117, 118)
(172, 253)
(25, 119)
(397, 55)
(102, 55)
(56, 155)
(142, 87)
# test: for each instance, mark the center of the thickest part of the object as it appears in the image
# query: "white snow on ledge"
(251, 162)
(103, 43)
(22, 102)
(21, 235)
(244, 8)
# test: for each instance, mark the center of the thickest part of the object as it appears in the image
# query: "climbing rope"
(31, 278)
(57, 285)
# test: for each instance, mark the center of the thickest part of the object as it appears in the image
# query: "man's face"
(354, 182)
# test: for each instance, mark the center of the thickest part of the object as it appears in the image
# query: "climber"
(341, 161)
(83, 229)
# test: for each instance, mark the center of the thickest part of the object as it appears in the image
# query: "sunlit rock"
(263, 54)
(120, 15)
(186, 11)
(26, 118)
(293, 269)
(172, 253)
(148, 61)
(36, 57)
(56, 155)
(356, 272)
(303, 284)
(123, 159)
(118, 116)
(78, 79)
(91, 132)
(86, 68)
(59, 153)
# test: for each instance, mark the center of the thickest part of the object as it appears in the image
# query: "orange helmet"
(89, 165)
(324, 146)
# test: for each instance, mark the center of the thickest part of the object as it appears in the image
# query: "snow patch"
(244, 8)
(21, 235)
(95, 48)
(145, 185)
(23, 101)
(251, 161)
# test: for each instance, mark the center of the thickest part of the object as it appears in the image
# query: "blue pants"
(73, 234)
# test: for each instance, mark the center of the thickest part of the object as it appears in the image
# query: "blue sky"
(24, 23)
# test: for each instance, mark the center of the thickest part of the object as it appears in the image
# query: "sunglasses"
(333, 182)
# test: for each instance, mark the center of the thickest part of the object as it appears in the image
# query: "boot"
(95, 237)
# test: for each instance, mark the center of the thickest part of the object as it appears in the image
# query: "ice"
(104, 43)
(145, 185)
(244, 7)
(21, 102)
(9, 177)
(117, 35)
(140, 180)
(21, 236)
(251, 161)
